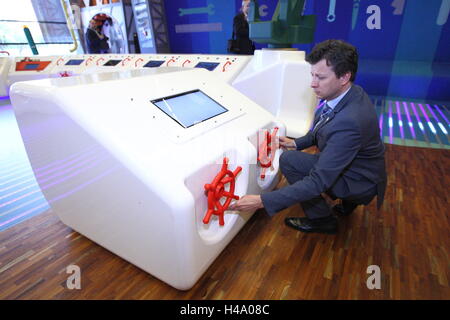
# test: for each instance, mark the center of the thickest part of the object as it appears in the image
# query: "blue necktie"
(325, 111)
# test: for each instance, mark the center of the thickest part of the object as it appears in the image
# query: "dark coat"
(241, 32)
(94, 43)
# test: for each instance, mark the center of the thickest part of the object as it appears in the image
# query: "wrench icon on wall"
(331, 11)
(187, 11)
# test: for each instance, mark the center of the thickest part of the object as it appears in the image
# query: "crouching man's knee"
(285, 163)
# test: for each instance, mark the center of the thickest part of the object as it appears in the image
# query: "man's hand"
(247, 203)
(286, 142)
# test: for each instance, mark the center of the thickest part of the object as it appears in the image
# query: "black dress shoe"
(344, 209)
(326, 225)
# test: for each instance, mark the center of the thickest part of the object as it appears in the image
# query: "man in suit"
(350, 165)
(241, 31)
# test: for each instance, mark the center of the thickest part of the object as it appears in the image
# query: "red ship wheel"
(216, 190)
(266, 153)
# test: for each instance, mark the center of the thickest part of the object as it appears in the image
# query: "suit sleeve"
(304, 142)
(343, 144)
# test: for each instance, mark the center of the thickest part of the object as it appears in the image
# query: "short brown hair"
(340, 55)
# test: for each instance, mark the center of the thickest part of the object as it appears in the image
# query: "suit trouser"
(295, 165)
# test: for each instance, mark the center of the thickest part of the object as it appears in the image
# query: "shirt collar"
(333, 103)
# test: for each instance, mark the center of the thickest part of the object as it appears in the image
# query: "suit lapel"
(327, 119)
(345, 99)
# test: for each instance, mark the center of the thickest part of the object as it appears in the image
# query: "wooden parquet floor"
(408, 239)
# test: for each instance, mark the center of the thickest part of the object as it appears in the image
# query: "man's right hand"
(287, 143)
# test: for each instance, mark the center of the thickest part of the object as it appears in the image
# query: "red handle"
(266, 151)
(135, 63)
(226, 64)
(88, 59)
(126, 59)
(96, 62)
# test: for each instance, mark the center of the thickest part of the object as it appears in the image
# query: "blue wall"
(409, 56)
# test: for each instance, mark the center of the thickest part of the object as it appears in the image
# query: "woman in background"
(96, 41)
(241, 30)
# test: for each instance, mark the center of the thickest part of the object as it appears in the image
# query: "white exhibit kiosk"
(280, 81)
(165, 151)
(4, 71)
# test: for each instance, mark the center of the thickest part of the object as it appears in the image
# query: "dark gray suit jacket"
(350, 149)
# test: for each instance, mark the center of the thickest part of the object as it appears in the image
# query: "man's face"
(246, 7)
(324, 81)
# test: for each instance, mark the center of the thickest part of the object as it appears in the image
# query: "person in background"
(241, 31)
(96, 40)
(350, 165)
(115, 41)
